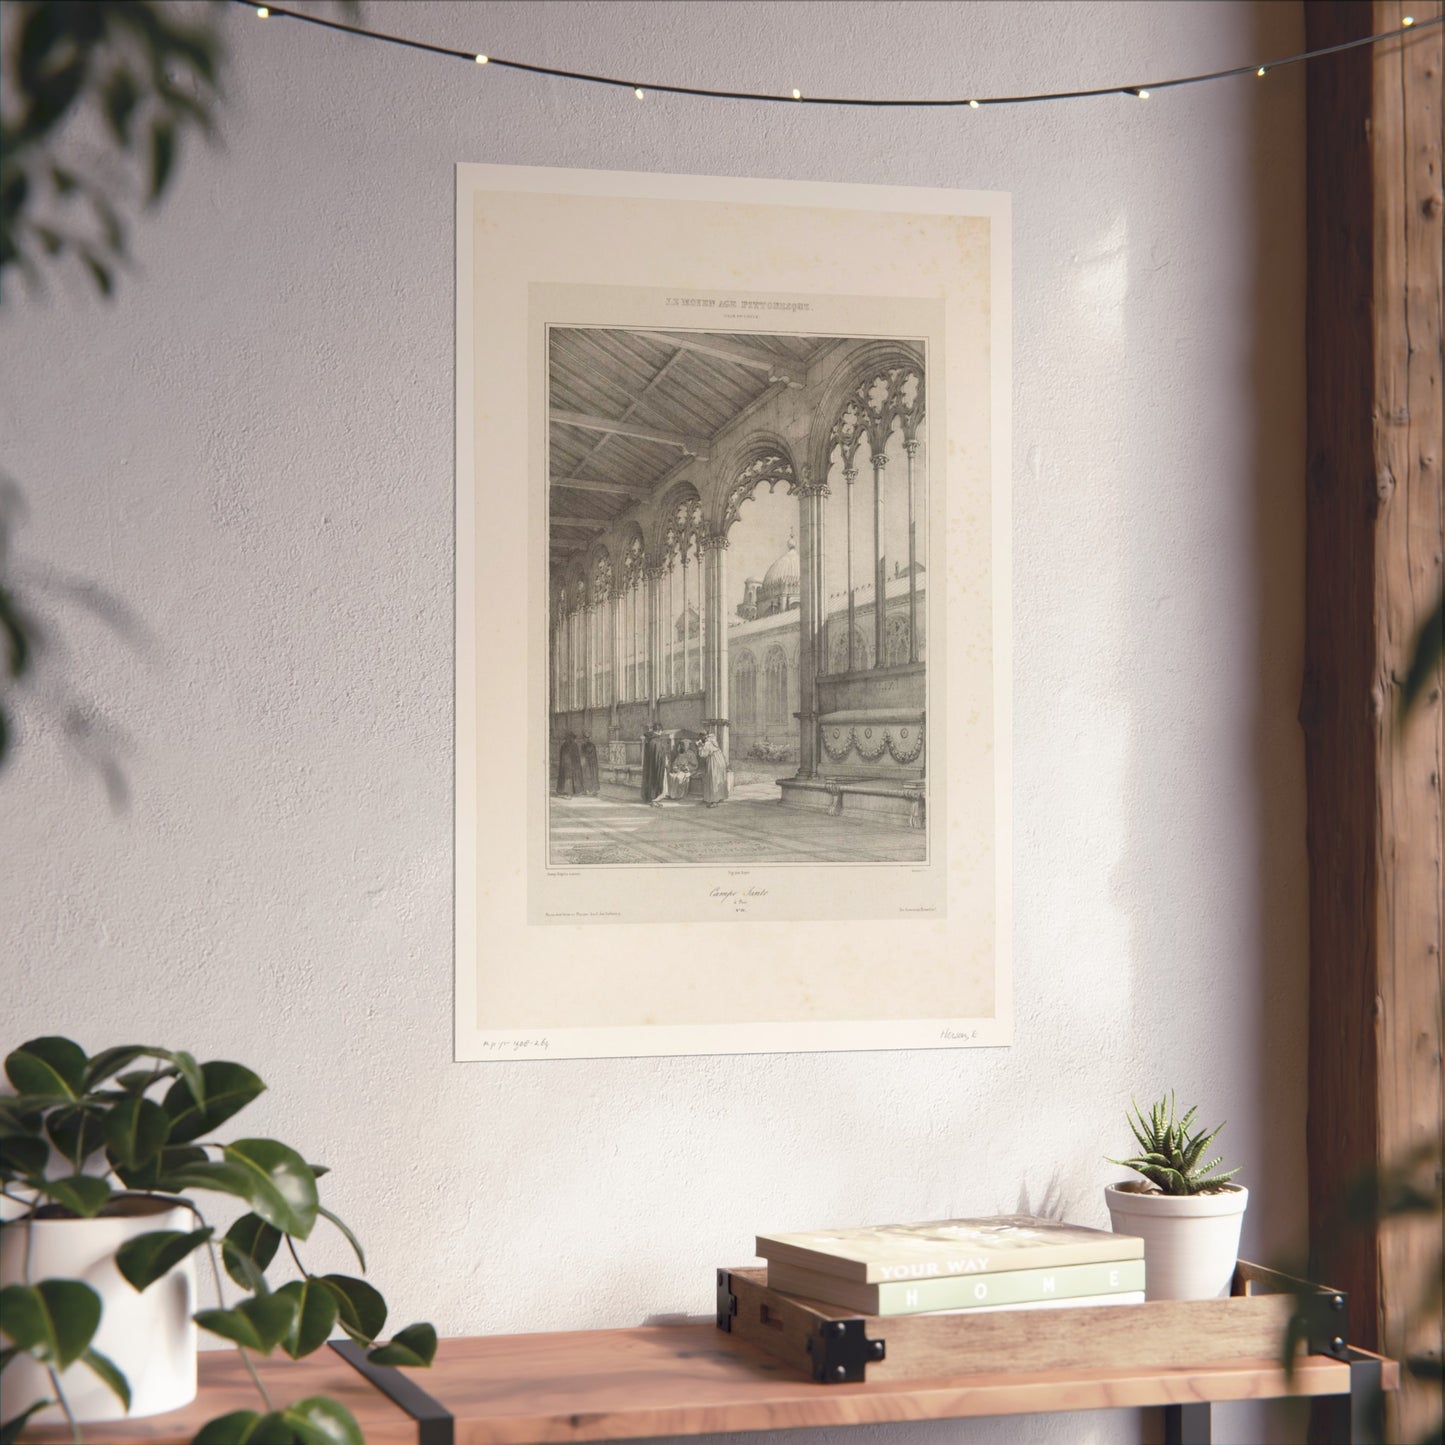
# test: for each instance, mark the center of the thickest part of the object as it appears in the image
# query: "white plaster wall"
(252, 448)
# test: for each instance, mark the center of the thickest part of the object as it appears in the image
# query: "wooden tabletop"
(685, 1380)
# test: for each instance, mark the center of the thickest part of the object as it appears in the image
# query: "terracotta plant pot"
(1191, 1241)
(149, 1336)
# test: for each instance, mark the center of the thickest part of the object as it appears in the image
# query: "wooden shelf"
(689, 1380)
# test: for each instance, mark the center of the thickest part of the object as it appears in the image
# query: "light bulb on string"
(797, 95)
(1142, 94)
(637, 91)
(482, 59)
(262, 12)
(1262, 72)
(1407, 21)
(973, 105)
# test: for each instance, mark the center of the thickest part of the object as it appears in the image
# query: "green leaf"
(136, 1130)
(111, 1061)
(11, 1430)
(83, 1194)
(54, 1320)
(49, 1065)
(259, 1323)
(361, 1309)
(319, 1421)
(415, 1345)
(227, 1089)
(282, 1187)
(107, 1370)
(351, 1239)
(316, 1311)
(149, 1257)
(248, 1248)
(1425, 657)
(21, 1157)
(76, 1131)
(155, 1174)
(245, 1427)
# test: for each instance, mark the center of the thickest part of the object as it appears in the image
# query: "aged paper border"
(752, 985)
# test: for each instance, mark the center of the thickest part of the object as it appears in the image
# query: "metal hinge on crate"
(1322, 1318)
(841, 1352)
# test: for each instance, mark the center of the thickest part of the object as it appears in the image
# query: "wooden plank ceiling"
(628, 411)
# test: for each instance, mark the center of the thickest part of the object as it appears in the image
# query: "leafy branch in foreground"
(83, 1135)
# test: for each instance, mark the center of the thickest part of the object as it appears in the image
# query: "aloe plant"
(1171, 1154)
(81, 1131)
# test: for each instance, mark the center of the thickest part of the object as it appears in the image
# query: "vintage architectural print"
(737, 559)
(732, 646)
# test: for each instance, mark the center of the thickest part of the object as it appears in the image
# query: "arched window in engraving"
(876, 508)
(775, 683)
(897, 640)
(601, 648)
(744, 698)
(633, 598)
(684, 603)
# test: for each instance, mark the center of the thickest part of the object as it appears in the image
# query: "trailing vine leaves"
(78, 1126)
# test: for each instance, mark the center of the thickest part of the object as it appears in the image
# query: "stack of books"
(1013, 1261)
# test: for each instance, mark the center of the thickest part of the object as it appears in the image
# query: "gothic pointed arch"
(868, 390)
(759, 459)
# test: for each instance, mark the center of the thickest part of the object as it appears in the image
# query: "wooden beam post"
(1374, 543)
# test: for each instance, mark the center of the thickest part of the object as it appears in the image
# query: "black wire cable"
(642, 87)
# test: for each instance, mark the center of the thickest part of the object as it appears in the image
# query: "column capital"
(655, 574)
(911, 446)
(715, 542)
(880, 460)
(814, 489)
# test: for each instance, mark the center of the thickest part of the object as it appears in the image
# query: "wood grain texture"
(1157, 1335)
(225, 1386)
(695, 1379)
(1373, 568)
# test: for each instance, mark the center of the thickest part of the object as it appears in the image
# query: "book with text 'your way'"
(884, 1253)
(962, 1292)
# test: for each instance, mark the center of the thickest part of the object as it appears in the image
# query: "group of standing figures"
(577, 767)
(668, 768)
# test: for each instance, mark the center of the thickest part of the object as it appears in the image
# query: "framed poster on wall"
(732, 747)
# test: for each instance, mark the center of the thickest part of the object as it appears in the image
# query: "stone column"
(650, 640)
(912, 448)
(686, 630)
(850, 475)
(880, 574)
(810, 620)
(716, 679)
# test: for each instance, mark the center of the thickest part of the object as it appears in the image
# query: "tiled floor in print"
(752, 826)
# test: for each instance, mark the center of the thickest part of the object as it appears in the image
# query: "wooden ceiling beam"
(721, 348)
(595, 524)
(693, 446)
(592, 484)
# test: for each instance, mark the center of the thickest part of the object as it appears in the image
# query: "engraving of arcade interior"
(738, 543)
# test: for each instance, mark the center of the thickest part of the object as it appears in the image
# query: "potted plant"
(1187, 1213)
(100, 1162)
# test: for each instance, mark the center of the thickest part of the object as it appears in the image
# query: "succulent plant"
(1170, 1152)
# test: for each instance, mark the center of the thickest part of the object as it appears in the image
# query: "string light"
(704, 92)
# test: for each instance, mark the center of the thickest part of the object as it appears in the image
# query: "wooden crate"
(836, 1345)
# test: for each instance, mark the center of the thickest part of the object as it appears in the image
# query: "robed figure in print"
(681, 769)
(569, 768)
(654, 765)
(590, 783)
(715, 771)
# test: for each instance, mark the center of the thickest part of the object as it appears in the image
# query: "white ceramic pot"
(1191, 1241)
(150, 1336)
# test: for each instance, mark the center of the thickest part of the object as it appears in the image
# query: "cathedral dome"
(780, 583)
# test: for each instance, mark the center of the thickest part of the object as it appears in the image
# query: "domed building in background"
(763, 652)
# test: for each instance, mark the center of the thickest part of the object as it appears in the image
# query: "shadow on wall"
(1215, 829)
